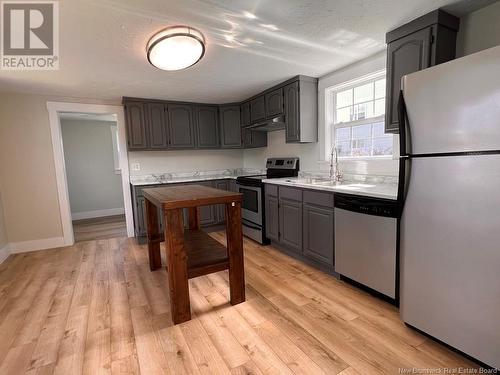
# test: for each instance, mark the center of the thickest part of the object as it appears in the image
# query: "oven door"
(251, 206)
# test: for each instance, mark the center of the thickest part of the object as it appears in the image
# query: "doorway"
(92, 172)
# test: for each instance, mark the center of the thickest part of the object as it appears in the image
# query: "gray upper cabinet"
(424, 42)
(181, 126)
(274, 103)
(245, 114)
(137, 130)
(258, 109)
(207, 127)
(158, 126)
(230, 126)
(301, 110)
(292, 114)
(254, 139)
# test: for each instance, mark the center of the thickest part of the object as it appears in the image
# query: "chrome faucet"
(335, 172)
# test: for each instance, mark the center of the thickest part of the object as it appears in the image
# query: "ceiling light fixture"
(176, 48)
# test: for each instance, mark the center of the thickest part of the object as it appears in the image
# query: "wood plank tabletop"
(184, 196)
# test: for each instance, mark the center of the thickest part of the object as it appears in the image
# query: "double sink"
(326, 182)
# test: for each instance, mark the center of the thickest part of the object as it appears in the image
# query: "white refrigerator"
(450, 197)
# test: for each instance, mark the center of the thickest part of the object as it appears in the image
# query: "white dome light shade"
(176, 48)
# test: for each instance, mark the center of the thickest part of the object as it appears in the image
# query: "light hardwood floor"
(100, 228)
(96, 308)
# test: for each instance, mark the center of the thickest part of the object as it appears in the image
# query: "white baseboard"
(97, 213)
(4, 253)
(35, 245)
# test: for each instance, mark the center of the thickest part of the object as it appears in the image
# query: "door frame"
(54, 108)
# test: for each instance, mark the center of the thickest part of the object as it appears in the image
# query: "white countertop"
(176, 178)
(367, 189)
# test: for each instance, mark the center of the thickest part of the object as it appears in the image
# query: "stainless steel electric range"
(252, 188)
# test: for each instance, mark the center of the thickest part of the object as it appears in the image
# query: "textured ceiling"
(251, 44)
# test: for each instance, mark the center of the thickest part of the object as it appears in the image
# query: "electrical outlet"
(136, 166)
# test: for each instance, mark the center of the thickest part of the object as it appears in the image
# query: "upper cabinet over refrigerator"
(455, 107)
(426, 41)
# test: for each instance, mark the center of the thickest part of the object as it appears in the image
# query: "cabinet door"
(258, 109)
(221, 208)
(404, 56)
(208, 214)
(318, 233)
(141, 226)
(158, 135)
(137, 131)
(207, 127)
(230, 127)
(272, 217)
(290, 220)
(180, 125)
(254, 139)
(292, 114)
(274, 103)
(245, 114)
(233, 186)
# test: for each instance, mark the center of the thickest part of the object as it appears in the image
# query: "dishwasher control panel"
(367, 205)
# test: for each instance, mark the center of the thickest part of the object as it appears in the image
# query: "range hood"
(270, 125)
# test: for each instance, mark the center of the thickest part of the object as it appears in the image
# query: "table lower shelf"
(205, 254)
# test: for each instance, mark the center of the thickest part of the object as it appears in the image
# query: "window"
(358, 119)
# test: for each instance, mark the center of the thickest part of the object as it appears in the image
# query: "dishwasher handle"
(367, 205)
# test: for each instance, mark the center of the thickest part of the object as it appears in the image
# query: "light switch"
(136, 166)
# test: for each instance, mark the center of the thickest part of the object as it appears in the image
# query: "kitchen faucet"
(335, 172)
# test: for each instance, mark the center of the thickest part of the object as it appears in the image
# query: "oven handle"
(246, 224)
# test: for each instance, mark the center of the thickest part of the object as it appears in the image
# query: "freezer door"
(455, 106)
(450, 253)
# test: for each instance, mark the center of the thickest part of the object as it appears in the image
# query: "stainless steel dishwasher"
(366, 242)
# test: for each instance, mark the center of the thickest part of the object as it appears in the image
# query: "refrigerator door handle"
(404, 129)
(404, 181)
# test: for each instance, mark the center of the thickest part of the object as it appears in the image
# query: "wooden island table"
(192, 252)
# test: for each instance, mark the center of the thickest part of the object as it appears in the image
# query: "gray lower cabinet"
(290, 219)
(181, 126)
(207, 127)
(230, 126)
(301, 221)
(140, 217)
(318, 233)
(272, 218)
(221, 208)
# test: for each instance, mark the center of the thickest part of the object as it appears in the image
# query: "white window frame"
(331, 107)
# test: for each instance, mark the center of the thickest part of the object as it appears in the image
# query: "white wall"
(4, 253)
(479, 30)
(94, 187)
(184, 161)
(312, 155)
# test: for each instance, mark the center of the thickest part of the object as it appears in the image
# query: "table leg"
(234, 237)
(194, 218)
(177, 266)
(153, 236)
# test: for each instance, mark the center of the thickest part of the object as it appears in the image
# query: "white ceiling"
(102, 44)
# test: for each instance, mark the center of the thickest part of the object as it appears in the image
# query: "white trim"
(4, 253)
(54, 108)
(97, 213)
(36, 245)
